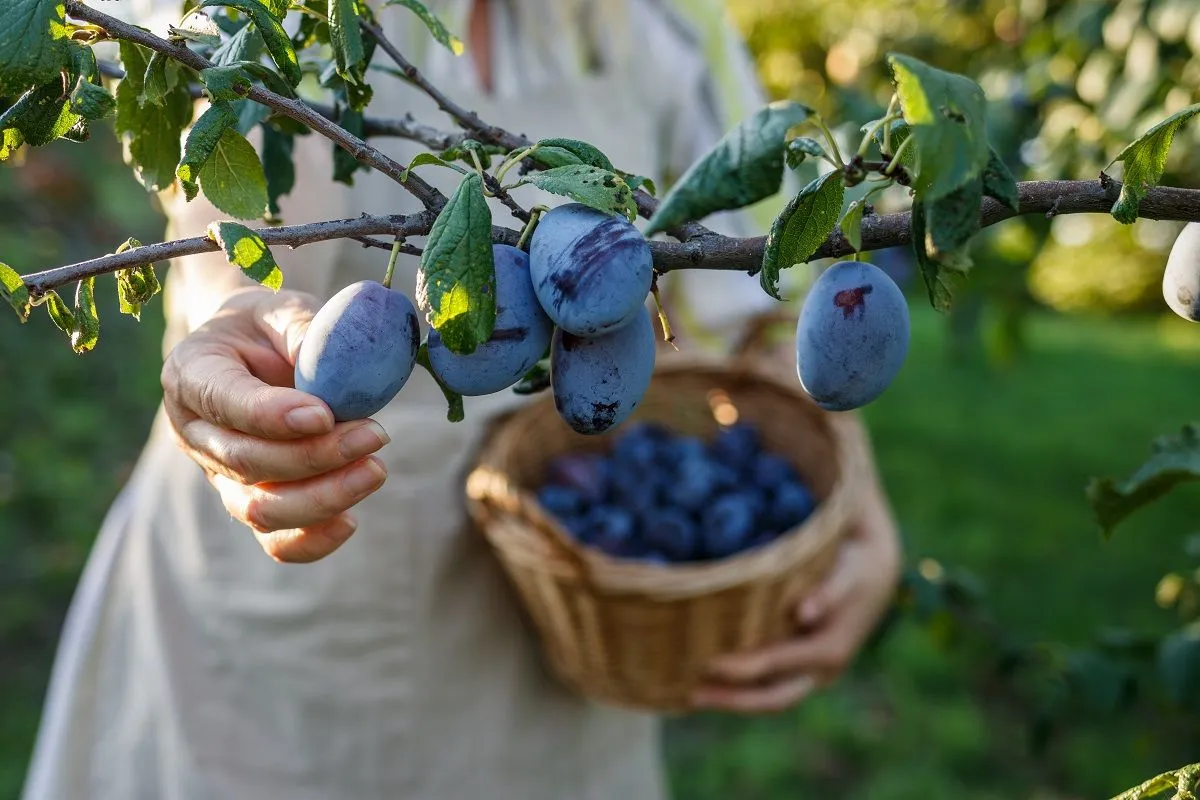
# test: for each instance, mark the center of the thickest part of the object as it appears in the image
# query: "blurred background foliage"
(1024, 660)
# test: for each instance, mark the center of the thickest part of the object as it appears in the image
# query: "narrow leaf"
(999, 183)
(592, 186)
(947, 114)
(33, 37)
(201, 141)
(801, 148)
(279, 166)
(60, 313)
(803, 225)
(345, 36)
(456, 281)
(232, 177)
(1173, 460)
(565, 152)
(14, 292)
(439, 31)
(1145, 160)
(952, 220)
(745, 166)
(274, 37)
(454, 400)
(246, 250)
(851, 224)
(87, 320)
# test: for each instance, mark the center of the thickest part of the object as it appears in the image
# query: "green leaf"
(344, 164)
(60, 314)
(801, 227)
(232, 177)
(155, 84)
(565, 152)
(91, 101)
(278, 8)
(1099, 682)
(136, 286)
(41, 115)
(456, 281)
(345, 36)
(10, 141)
(274, 37)
(1173, 460)
(279, 165)
(745, 166)
(249, 113)
(939, 276)
(87, 321)
(201, 142)
(245, 45)
(1145, 159)
(14, 292)
(1179, 667)
(439, 31)
(635, 182)
(851, 224)
(424, 159)
(592, 186)
(534, 381)
(246, 250)
(225, 83)
(33, 43)
(947, 114)
(454, 400)
(151, 134)
(801, 148)
(952, 220)
(999, 183)
(196, 27)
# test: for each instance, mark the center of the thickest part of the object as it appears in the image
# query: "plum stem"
(535, 214)
(899, 154)
(668, 334)
(391, 265)
(513, 160)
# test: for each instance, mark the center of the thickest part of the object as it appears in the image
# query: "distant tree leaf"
(279, 166)
(274, 37)
(1097, 681)
(87, 320)
(1173, 460)
(33, 44)
(344, 164)
(152, 135)
(14, 292)
(946, 113)
(803, 225)
(953, 219)
(801, 148)
(745, 166)
(1179, 667)
(232, 177)
(246, 250)
(592, 186)
(456, 282)
(1145, 159)
(454, 400)
(851, 223)
(439, 31)
(565, 152)
(999, 183)
(201, 141)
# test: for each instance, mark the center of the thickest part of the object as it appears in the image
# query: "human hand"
(280, 463)
(832, 623)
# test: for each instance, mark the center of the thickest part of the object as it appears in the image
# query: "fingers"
(305, 545)
(271, 507)
(757, 699)
(827, 653)
(833, 592)
(250, 460)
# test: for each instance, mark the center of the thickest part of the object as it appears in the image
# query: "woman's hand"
(275, 455)
(832, 623)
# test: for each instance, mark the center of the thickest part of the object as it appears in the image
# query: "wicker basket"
(639, 635)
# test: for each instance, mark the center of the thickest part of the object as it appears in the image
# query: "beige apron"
(193, 667)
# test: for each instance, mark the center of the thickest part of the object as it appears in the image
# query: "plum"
(1181, 279)
(518, 341)
(769, 470)
(359, 350)
(598, 382)
(561, 501)
(610, 529)
(791, 504)
(852, 336)
(729, 524)
(586, 473)
(671, 532)
(590, 270)
(696, 481)
(736, 445)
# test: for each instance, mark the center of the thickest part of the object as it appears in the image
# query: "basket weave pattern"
(640, 635)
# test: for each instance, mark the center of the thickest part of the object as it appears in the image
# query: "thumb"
(287, 322)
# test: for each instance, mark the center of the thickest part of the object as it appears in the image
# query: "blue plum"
(852, 336)
(519, 337)
(1181, 279)
(561, 501)
(610, 529)
(769, 470)
(696, 481)
(791, 504)
(586, 473)
(590, 270)
(736, 445)
(729, 524)
(359, 350)
(671, 532)
(598, 382)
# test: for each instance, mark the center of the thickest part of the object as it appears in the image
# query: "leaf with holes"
(946, 113)
(435, 26)
(1173, 460)
(592, 186)
(246, 250)
(201, 142)
(456, 282)
(805, 222)
(1144, 160)
(745, 166)
(14, 292)
(232, 177)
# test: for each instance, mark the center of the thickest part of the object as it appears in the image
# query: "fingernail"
(308, 419)
(365, 478)
(362, 440)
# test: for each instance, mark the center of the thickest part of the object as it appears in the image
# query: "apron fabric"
(193, 667)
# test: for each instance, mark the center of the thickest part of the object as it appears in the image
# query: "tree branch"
(296, 109)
